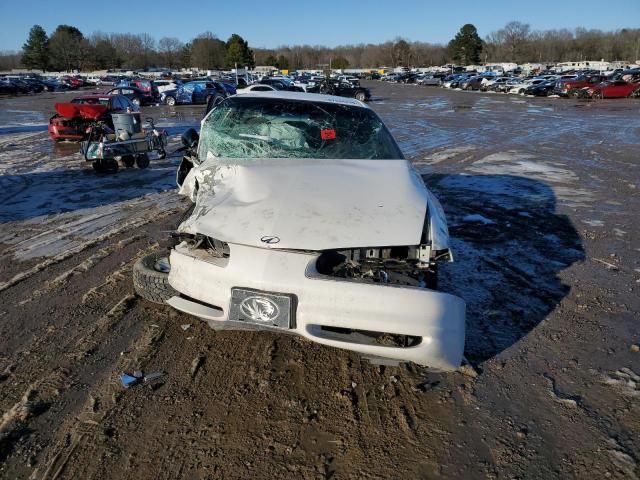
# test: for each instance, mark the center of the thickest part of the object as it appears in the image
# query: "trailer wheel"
(127, 160)
(105, 166)
(151, 278)
(142, 160)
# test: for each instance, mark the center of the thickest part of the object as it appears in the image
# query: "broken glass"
(278, 128)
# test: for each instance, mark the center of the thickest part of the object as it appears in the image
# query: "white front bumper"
(438, 318)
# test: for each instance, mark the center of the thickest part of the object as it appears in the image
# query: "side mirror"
(190, 138)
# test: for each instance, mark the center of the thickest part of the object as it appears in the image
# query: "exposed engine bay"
(404, 266)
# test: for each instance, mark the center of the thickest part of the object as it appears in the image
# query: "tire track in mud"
(36, 400)
(81, 268)
(86, 430)
(72, 251)
(72, 351)
(43, 392)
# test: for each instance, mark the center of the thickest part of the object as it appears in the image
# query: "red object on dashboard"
(328, 134)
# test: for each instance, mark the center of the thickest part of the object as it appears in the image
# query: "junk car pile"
(578, 84)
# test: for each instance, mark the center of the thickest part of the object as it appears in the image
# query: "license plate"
(262, 308)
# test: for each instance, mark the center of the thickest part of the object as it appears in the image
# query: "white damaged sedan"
(308, 220)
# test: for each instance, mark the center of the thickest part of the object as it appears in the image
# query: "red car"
(565, 88)
(148, 88)
(72, 119)
(614, 89)
(73, 82)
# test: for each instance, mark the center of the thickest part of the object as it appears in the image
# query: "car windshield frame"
(256, 127)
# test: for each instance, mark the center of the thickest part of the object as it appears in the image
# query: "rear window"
(91, 101)
(276, 128)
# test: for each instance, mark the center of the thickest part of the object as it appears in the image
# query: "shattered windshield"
(283, 128)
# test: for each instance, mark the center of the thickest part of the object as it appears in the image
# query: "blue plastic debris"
(128, 381)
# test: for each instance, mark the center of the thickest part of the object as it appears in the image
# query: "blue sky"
(269, 23)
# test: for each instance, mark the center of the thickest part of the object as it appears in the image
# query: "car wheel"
(142, 160)
(597, 95)
(521, 91)
(136, 102)
(171, 101)
(151, 278)
(361, 96)
(162, 154)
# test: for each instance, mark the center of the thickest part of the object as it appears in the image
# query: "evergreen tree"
(339, 63)
(466, 46)
(238, 52)
(35, 52)
(68, 48)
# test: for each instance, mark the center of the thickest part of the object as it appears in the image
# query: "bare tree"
(169, 49)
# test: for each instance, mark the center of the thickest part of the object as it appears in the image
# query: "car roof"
(307, 97)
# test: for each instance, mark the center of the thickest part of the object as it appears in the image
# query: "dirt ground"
(542, 199)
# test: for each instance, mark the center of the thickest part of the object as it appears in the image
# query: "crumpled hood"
(87, 112)
(307, 204)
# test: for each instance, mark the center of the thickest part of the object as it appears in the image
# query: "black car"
(7, 88)
(407, 78)
(137, 96)
(281, 84)
(543, 89)
(345, 89)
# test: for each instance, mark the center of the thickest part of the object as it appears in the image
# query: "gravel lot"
(542, 198)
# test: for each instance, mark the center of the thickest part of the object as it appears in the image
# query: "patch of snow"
(593, 223)
(477, 218)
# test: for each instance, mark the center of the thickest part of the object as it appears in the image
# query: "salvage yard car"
(72, 119)
(614, 89)
(195, 92)
(308, 220)
(345, 89)
(571, 87)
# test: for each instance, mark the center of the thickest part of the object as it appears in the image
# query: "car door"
(185, 93)
(616, 89)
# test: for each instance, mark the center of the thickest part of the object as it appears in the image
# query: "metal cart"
(127, 143)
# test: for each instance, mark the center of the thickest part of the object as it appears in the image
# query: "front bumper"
(60, 132)
(437, 318)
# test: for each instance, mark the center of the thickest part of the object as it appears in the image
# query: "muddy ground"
(542, 198)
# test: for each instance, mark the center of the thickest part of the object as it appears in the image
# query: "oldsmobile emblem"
(270, 239)
(259, 309)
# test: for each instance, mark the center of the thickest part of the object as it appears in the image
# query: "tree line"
(67, 48)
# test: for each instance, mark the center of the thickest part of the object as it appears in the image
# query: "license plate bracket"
(270, 309)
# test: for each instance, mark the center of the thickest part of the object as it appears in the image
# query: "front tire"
(361, 96)
(171, 101)
(151, 278)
